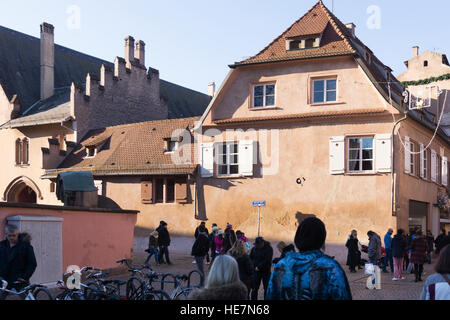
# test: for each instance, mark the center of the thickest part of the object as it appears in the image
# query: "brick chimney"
(140, 52)
(415, 51)
(47, 61)
(352, 28)
(212, 89)
(129, 51)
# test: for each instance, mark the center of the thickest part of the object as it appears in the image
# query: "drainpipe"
(393, 207)
(195, 199)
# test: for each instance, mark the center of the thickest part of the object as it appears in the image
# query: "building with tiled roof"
(52, 96)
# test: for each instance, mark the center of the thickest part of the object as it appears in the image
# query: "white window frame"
(412, 158)
(229, 154)
(361, 160)
(87, 153)
(264, 85)
(325, 90)
(425, 164)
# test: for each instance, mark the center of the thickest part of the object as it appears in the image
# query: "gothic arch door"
(22, 190)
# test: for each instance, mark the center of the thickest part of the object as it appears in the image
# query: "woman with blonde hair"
(354, 255)
(223, 282)
(246, 268)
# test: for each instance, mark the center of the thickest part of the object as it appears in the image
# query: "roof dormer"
(303, 42)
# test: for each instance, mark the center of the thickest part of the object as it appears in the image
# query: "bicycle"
(73, 294)
(30, 292)
(101, 289)
(138, 287)
(180, 290)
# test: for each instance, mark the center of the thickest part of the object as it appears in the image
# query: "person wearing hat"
(152, 247)
(218, 240)
(309, 274)
(199, 250)
(261, 256)
(241, 236)
(229, 238)
(212, 244)
(201, 228)
(283, 248)
(163, 242)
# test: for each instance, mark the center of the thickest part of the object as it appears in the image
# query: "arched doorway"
(22, 190)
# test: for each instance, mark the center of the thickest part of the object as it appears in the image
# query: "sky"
(192, 43)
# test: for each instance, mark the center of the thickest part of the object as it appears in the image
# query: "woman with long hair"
(239, 252)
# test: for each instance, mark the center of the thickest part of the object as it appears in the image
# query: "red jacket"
(419, 248)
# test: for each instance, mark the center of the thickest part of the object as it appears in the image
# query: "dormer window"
(170, 145)
(303, 43)
(91, 151)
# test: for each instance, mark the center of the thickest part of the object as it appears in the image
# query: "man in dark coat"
(199, 250)
(438, 241)
(261, 256)
(419, 248)
(399, 245)
(163, 242)
(17, 259)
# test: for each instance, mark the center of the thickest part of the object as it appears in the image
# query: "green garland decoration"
(426, 81)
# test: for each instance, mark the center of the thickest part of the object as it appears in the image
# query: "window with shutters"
(412, 161)
(425, 164)
(164, 190)
(438, 169)
(228, 159)
(170, 190)
(360, 154)
(159, 190)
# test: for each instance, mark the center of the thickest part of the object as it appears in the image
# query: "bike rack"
(189, 277)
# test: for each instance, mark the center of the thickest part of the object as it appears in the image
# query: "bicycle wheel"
(91, 291)
(42, 294)
(134, 289)
(184, 293)
(156, 295)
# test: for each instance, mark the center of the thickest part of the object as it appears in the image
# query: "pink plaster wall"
(90, 238)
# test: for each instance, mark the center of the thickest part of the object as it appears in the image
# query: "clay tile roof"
(317, 21)
(132, 149)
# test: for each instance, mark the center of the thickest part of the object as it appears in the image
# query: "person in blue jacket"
(388, 249)
(309, 274)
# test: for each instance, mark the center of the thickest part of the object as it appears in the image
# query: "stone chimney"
(212, 89)
(47, 61)
(352, 28)
(140, 52)
(415, 51)
(129, 51)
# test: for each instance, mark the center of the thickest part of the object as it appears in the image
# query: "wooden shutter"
(407, 155)
(444, 170)
(422, 162)
(181, 190)
(433, 165)
(383, 152)
(246, 158)
(147, 191)
(206, 160)
(337, 155)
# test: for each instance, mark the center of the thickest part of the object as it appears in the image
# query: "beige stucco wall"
(417, 71)
(38, 137)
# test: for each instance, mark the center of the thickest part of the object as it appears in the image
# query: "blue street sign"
(259, 203)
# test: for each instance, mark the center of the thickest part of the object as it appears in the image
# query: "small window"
(25, 151)
(170, 145)
(228, 159)
(18, 152)
(324, 91)
(295, 45)
(360, 155)
(91, 152)
(309, 43)
(425, 63)
(263, 96)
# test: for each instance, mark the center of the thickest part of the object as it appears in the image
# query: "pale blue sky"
(193, 42)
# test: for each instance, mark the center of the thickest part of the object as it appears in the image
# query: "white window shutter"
(206, 160)
(422, 162)
(247, 157)
(383, 152)
(444, 171)
(407, 156)
(433, 165)
(337, 155)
